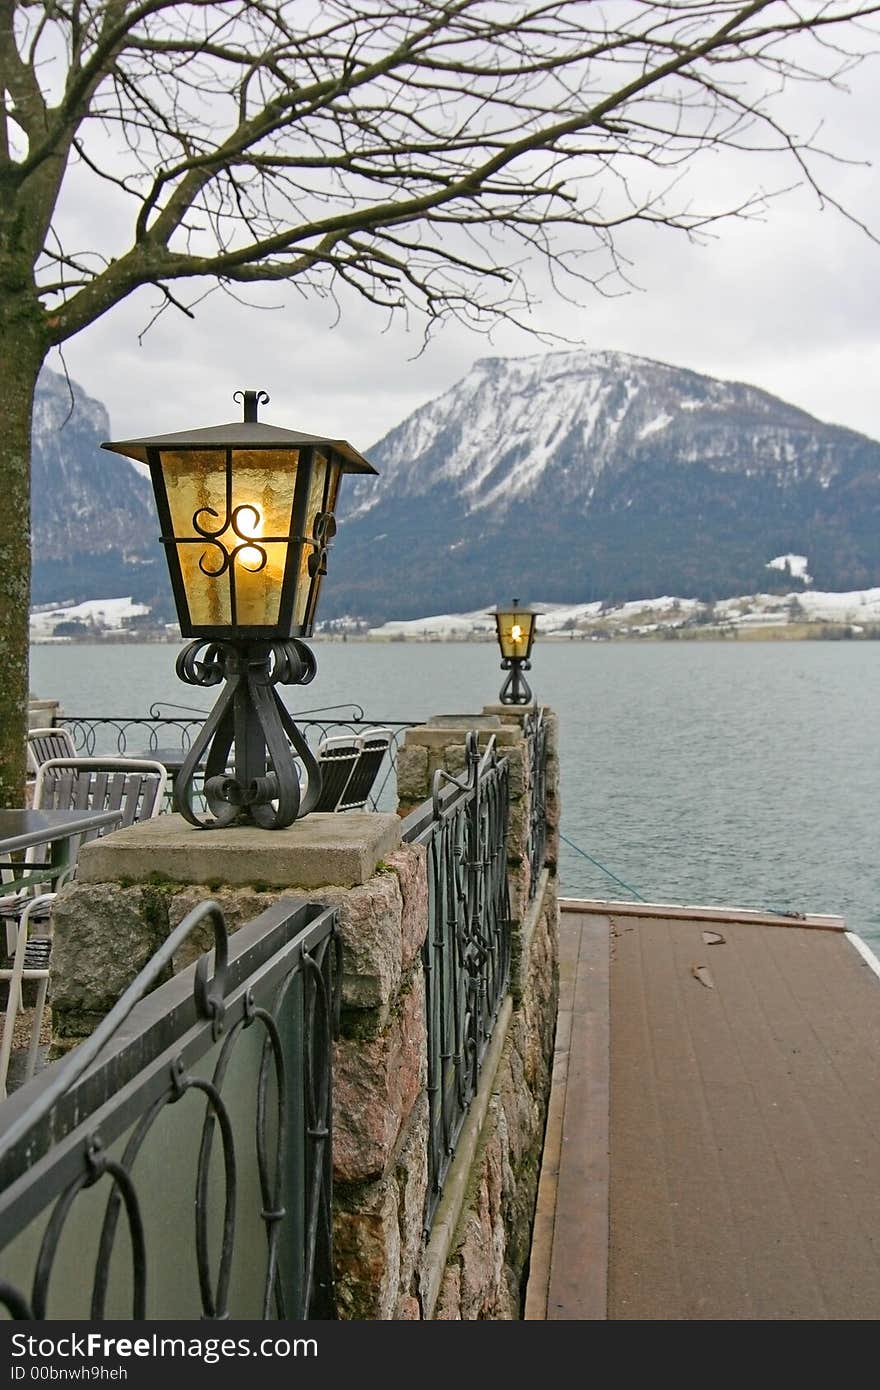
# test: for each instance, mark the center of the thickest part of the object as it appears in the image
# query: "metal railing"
(197, 1117)
(467, 948)
(535, 734)
(161, 731)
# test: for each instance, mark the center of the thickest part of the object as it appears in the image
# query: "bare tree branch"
(256, 145)
(251, 142)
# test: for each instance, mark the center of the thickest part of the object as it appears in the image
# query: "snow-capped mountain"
(569, 476)
(587, 475)
(503, 427)
(93, 518)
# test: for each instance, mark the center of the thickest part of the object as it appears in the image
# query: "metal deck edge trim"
(865, 952)
(690, 912)
(573, 1201)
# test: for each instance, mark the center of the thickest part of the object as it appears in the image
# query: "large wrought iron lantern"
(247, 512)
(515, 629)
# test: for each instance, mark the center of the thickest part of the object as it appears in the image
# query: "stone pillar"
(477, 1258)
(133, 887)
(43, 714)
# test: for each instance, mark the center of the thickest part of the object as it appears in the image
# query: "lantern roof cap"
(240, 434)
(515, 607)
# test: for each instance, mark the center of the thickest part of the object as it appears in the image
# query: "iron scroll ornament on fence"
(61, 1143)
(466, 954)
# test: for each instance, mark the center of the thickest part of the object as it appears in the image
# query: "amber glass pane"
(514, 633)
(247, 539)
(314, 507)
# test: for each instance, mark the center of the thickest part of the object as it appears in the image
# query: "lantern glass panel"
(231, 527)
(321, 499)
(515, 633)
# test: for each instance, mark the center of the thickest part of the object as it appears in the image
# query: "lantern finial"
(250, 400)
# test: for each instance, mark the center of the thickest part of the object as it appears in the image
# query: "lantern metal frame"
(249, 743)
(516, 689)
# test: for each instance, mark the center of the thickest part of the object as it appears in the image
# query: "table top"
(21, 829)
(171, 758)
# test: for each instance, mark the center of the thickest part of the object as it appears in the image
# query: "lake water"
(739, 773)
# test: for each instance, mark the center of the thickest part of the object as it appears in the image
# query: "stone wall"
(135, 886)
(482, 1229)
(42, 714)
(486, 1260)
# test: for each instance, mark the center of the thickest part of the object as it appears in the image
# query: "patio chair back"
(134, 786)
(43, 744)
(337, 758)
(374, 745)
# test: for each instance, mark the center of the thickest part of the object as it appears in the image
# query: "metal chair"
(374, 745)
(337, 758)
(44, 744)
(31, 961)
(134, 786)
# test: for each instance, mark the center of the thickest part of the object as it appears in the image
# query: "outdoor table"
(22, 830)
(172, 759)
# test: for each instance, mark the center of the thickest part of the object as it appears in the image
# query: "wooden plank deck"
(713, 1146)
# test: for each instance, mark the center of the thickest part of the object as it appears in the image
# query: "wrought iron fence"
(165, 732)
(535, 733)
(467, 949)
(198, 1118)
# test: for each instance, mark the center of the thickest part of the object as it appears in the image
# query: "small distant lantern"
(515, 628)
(247, 512)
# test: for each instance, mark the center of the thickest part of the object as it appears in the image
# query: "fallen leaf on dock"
(713, 938)
(703, 974)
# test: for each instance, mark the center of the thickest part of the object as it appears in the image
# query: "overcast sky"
(790, 304)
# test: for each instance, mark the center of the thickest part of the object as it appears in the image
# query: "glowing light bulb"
(250, 523)
(516, 632)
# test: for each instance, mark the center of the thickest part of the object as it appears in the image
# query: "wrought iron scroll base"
(515, 690)
(261, 781)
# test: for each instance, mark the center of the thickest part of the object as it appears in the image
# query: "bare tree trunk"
(21, 356)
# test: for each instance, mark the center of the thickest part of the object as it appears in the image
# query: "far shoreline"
(772, 632)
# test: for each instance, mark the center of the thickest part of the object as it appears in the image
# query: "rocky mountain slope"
(93, 519)
(587, 475)
(573, 476)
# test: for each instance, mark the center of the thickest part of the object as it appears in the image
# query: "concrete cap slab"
(323, 848)
(430, 736)
(512, 712)
(464, 721)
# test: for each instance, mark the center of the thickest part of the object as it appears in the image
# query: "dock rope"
(627, 886)
(776, 911)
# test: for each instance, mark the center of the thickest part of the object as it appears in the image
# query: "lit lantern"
(515, 628)
(247, 512)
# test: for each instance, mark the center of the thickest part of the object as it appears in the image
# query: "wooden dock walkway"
(713, 1142)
